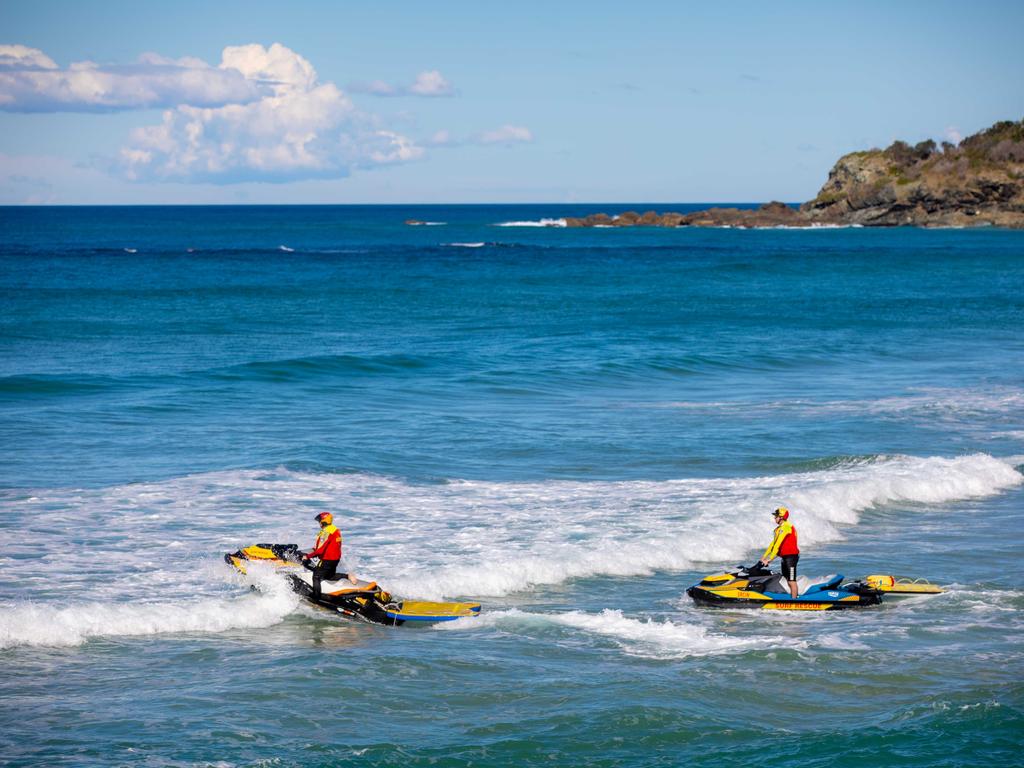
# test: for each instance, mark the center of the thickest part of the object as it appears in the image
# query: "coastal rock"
(594, 220)
(978, 182)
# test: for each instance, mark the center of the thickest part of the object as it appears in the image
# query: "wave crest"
(33, 624)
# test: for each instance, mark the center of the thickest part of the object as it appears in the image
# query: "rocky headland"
(978, 182)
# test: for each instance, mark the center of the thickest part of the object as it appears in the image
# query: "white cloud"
(301, 129)
(261, 114)
(429, 83)
(21, 56)
(953, 134)
(506, 134)
(30, 81)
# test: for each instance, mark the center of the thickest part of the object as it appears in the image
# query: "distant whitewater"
(540, 223)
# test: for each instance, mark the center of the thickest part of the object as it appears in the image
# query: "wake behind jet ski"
(757, 587)
(364, 600)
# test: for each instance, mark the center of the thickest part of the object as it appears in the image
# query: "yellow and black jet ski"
(364, 600)
(757, 587)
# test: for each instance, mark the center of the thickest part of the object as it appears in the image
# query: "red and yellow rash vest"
(328, 544)
(784, 542)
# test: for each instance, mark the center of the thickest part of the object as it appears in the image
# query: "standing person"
(328, 548)
(785, 545)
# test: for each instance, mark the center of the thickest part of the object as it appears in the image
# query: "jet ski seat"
(777, 584)
(832, 582)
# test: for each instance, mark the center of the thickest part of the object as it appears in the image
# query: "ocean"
(570, 426)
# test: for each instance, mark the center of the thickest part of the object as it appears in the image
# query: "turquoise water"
(570, 426)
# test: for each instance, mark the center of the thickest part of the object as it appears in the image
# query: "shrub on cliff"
(900, 154)
(1007, 150)
(903, 156)
(1001, 143)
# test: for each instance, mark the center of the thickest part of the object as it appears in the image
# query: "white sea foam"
(461, 538)
(540, 223)
(842, 642)
(286, 249)
(636, 637)
(814, 226)
(49, 624)
(661, 638)
(947, 405)
(464, 245)
(1010, 434)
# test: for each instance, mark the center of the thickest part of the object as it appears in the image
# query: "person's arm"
(318, 549)
(773, 548)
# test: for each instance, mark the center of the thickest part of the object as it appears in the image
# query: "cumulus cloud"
(30, 81)
(506, 134)
(261, 114)
(429, 83)
(301, 129)
(15, 56)
(953, 134)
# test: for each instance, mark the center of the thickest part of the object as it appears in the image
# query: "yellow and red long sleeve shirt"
(328, 544)
(783, 542)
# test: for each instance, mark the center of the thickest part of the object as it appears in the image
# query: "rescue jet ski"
(364, 600)
(757, 587)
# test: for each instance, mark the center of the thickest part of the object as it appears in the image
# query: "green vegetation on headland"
(978, 182)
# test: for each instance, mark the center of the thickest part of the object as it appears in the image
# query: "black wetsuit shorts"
(789, 566)
(325, 570)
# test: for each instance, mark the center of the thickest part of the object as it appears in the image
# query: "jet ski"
(364, 600)
(757, 587)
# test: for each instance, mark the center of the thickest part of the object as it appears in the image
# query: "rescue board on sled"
(362, 600)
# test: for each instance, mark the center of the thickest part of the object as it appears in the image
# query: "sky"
(476, 102)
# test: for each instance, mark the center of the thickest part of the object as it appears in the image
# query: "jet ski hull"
(363, 601)
(757, 587)
(779, 602)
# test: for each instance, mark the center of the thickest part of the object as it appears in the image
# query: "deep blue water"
(569, 425)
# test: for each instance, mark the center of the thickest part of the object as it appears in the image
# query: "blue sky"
(391, 102)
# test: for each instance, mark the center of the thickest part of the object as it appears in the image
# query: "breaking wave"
(539, 223)
(464, 538)
(63, 625)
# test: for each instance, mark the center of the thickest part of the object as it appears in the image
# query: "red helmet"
(782, 513)
(324, 518)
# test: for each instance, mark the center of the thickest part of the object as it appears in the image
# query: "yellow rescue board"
(422, 610)
(894, 585)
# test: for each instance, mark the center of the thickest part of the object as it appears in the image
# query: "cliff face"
(978, 182)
